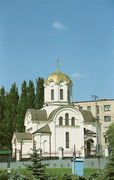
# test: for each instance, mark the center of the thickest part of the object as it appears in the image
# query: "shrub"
(17, 176)
(3, 176)
(109, 169)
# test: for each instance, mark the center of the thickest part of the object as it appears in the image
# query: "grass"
(60, 171)
(53, 172)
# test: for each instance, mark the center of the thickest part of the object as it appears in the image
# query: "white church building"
(58, 126)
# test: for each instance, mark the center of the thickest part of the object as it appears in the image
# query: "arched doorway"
(89, 146)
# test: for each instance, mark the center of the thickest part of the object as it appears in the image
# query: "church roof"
(88, 116)
(57, 77)
(44, 129)
(23, 136)
(52, 114)
(39, 115)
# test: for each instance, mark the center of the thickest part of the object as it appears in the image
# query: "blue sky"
(35, 33)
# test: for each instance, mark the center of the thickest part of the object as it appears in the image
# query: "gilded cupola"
(58, 77)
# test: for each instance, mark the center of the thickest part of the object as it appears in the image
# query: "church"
(59, 126)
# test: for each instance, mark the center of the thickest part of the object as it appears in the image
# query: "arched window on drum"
(52, 94)
(61, 94)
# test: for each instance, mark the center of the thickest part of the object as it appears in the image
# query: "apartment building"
(103, 109)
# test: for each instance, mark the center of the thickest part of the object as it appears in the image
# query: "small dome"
(57, 77)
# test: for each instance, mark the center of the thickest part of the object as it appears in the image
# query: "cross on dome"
(58, 65)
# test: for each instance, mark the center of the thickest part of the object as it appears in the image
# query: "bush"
(17, 176)
(3, 176)
(97, 176)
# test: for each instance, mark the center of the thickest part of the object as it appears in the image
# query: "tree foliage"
(109, 169)
(37, 167)
(14, 106)
(17, 176)
(110, 136)
(31, 95)
(22, 106)
(39, 93)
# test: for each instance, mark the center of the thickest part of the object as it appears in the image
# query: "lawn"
(53, 172)
(60, 171)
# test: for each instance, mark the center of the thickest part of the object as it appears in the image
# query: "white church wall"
(57, 87)
(50, 108)
(29, 127)
(41, 124)
(53, 137)
(26, 148)
(42, 142)
(75, 138)
(59, 132)
(90, 126)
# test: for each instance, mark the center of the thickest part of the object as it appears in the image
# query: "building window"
(106, 107)
(88, 108)
(67, 139)
(106, 140)
(97, 109)
(60, 121)
(107, 118)
(52, 94)
(61, 94)
(66, 119)
(73, 121)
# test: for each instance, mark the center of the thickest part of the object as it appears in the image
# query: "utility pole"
(95, 98)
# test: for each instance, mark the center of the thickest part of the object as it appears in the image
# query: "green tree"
(37, 168)
(17, 176)
(39, 93)
(2, 102)
(2, 122)
(31, 95)
(109, 169)
(10, 113)
(22, 107)
(110, 136)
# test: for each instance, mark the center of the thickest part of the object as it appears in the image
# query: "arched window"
(67, 139)
(45, 146)
(60, 121)
(52, 94)
(68, 95)
(66, 119)
(61, 94)
(73, 121)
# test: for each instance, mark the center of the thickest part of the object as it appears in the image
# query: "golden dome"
(57, 77)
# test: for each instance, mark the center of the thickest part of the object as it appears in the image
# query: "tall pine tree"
(2, 122)
(37, 167)
(39, 93)
(10, 113)
(2, 102)
(31, 95)
(22, 107)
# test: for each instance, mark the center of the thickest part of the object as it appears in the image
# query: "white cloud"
(79, 75)
(58, 25)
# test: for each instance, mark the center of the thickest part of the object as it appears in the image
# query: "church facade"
(59, 126)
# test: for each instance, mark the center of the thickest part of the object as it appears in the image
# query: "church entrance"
(89, 147)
